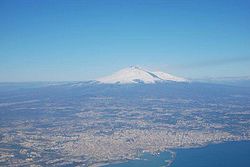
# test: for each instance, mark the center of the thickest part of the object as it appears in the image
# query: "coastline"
(173, 154)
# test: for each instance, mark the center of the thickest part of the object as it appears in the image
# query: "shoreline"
(172, 151)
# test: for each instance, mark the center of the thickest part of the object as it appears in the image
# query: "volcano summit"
(136, 74)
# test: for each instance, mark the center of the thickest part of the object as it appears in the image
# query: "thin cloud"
(216, 62)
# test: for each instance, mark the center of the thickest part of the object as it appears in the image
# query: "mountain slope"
(138, 75)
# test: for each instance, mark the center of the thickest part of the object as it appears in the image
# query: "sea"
(229, 154)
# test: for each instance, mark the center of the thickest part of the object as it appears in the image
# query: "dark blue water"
(230, 154)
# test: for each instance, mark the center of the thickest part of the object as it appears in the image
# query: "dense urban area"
(97, 129)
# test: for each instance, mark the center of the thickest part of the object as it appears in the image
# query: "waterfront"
(229, 154)
(147, 160)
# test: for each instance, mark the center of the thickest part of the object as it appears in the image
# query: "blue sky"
(81, 40)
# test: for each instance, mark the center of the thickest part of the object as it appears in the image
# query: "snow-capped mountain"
(135, 74)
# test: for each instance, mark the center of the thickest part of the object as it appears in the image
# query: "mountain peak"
(135, 67)
(136, 74)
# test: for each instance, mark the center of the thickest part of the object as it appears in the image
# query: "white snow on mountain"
(169, 77)
(135, 74)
